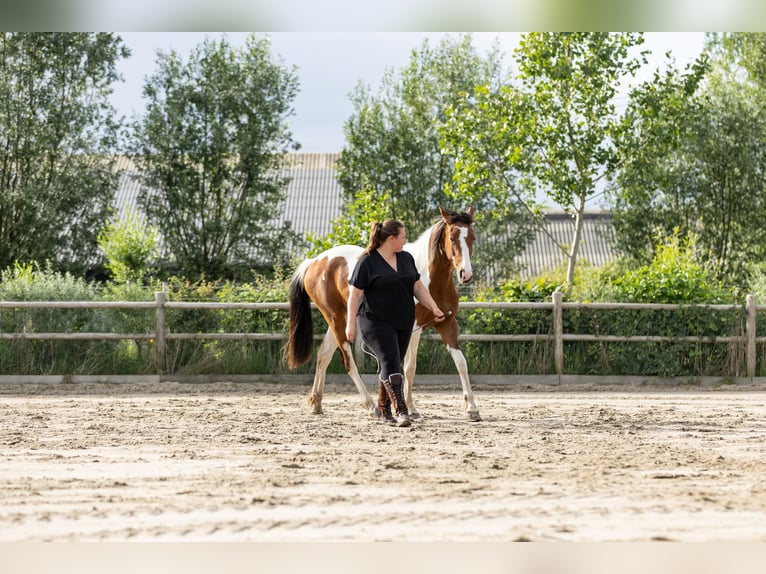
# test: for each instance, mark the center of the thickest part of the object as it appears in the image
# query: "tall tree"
(697, 167)
(745, 49)
(58, 134)
(552, 135)
(211, 147)
(392, 137)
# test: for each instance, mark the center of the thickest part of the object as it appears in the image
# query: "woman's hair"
(379, 232)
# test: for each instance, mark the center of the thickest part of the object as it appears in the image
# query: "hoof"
(316, 405)
(473, 416)
(403, 420)
(387, 418)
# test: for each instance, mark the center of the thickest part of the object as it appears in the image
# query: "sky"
(330, 64)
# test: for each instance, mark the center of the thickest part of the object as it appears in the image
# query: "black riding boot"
(395, 388)
(384, 404)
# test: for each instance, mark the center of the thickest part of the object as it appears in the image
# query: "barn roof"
(314, 195)
(314, 200)
(543, 254)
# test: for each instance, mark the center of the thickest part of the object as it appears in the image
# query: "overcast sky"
(330, 64)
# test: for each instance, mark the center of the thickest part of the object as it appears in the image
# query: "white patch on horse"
(467, 269)
(419, 251)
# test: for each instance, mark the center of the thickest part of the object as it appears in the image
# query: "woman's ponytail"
(379, 232)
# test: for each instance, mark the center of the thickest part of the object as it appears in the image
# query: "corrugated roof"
(126, 196)
(314, 196)
(314, 200)
(543, 254)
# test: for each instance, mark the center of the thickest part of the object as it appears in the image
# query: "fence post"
(159, 331)
(750, 331)
(558, 332)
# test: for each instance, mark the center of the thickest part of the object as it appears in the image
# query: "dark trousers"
(389, 345)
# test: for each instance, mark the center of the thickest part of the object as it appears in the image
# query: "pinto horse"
(446, 246)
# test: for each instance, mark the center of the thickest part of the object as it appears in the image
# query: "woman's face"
(398, 241)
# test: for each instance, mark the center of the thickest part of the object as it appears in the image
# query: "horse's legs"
(324, 355)
(367, 401)
(410, 366)
(471, 410)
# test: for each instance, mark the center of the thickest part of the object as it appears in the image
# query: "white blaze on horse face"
(466, 272)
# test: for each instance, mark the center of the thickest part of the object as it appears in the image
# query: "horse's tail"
(300, 336)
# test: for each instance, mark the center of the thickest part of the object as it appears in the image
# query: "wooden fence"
(160, 335)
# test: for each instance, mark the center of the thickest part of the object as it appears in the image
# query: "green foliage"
(674, 276)
(129, 245)
(211, 148)
(352, 227)
(695, 162)
(756, 282)
(58, 134)
(33, 282)
(392, 138)
(536, 289)
(742, 49)
(553, 135)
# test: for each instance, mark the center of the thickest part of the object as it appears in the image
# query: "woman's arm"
(423, 295)
(352, 308)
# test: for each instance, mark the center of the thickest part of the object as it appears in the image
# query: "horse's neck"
(420, 251)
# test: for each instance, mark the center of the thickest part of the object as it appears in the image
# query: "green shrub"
(674, 276)
(129, 244)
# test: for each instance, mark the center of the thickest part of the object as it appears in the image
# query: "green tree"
(552, 135)
(392, 138)
(479, 135)
(58, 135)
(745, 49)
(211, 147)
(352, 227)
(697, 164)
(129, 246)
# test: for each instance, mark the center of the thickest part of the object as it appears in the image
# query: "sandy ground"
(248, 462)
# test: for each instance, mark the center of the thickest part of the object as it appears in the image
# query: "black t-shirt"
(388, 294)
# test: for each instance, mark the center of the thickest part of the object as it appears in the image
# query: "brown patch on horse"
(327, 285)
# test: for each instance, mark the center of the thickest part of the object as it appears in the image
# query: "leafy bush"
(128, 244)
(32, 282)
(674, 276)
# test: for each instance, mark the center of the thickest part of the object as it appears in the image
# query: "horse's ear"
(469, 211)
(447, 214)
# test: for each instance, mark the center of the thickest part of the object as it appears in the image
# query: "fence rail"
(557, 335)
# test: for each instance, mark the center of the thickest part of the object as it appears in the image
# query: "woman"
(381, 291)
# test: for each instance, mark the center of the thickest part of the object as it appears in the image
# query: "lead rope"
(367, 350)
(427, 323)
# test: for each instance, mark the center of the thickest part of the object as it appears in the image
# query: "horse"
(445, 247)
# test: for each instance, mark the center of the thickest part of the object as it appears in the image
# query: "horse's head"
(458, 241)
